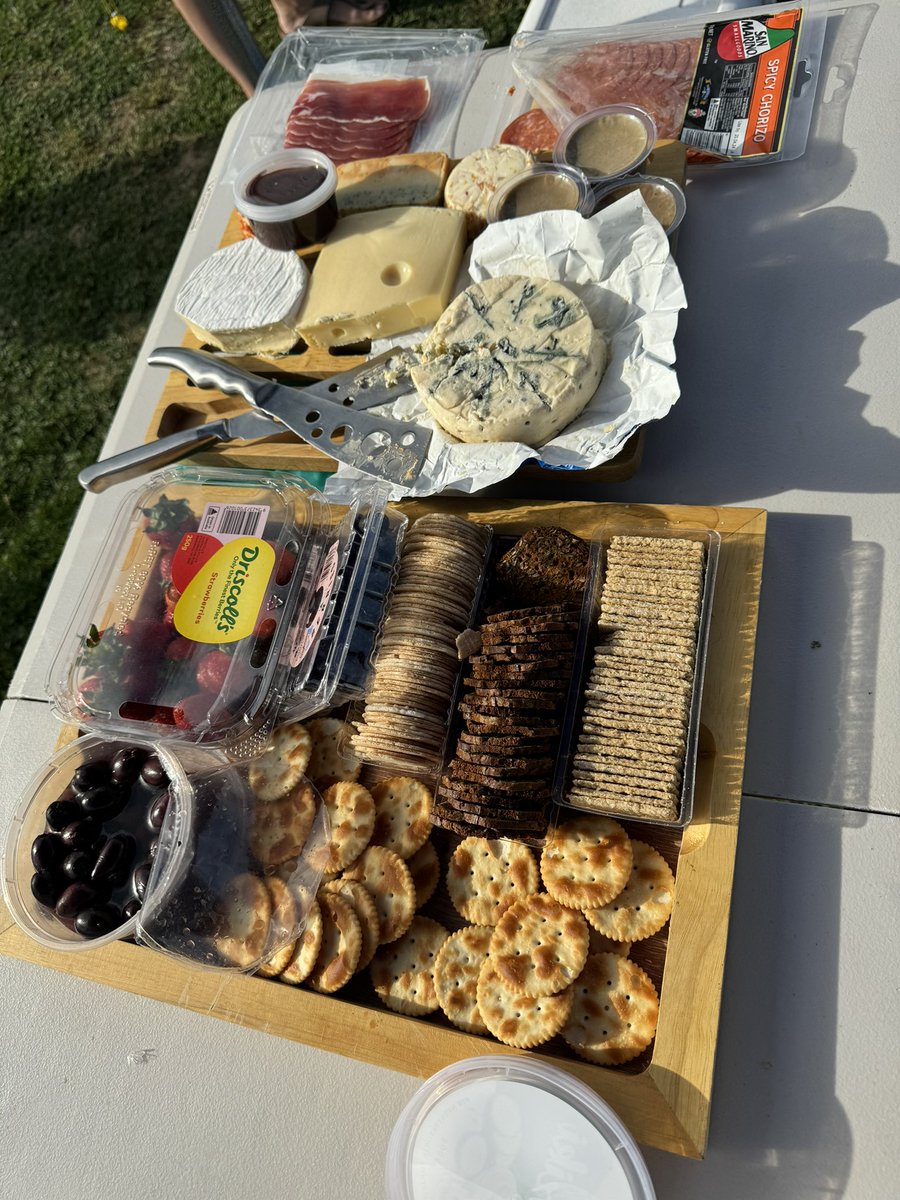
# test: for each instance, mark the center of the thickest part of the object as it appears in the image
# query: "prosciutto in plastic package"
(360, 93)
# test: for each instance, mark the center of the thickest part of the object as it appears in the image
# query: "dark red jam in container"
(289, 198)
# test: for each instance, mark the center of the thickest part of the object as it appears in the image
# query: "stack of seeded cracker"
(631, 750)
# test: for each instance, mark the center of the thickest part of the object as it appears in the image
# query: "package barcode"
(234, 519)
(703, 139)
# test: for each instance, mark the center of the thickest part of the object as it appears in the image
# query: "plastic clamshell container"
(363, 561)
(202, 612)
(608, 142)
(589, 636)
(297, 223)
(215, 894)
(500, 1126)
(664, 197)
(28, 821)
(541, 188)
(241, 881)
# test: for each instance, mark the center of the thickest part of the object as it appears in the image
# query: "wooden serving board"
(184, 406)
(665, 1104)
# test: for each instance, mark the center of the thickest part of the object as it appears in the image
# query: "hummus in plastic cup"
(542, 188)
(607, 142)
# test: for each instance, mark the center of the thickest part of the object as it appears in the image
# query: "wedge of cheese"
(245, 299)
(513, 359)
(399, 179)
(382, 273)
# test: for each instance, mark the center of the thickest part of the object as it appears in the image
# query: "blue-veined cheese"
(245, 299)
(513, 359)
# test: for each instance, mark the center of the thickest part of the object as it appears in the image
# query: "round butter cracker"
(519, 1020)
(485, 876)
(586, 861)
(614, 1011)
(306, 948)
(386, 876)
(403, 972)
(456, 972)
(539, 947)
(644, 904)
(341, 944)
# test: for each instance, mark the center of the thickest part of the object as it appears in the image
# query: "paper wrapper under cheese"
(619, 263)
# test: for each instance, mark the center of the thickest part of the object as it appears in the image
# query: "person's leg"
(219, 26)
(292, 14)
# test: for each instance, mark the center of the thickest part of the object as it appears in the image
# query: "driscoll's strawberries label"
(220, 603)
(742, 86)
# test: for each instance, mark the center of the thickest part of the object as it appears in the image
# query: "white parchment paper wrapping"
(619, 263)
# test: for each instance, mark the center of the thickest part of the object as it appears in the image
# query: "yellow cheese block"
(382, 273)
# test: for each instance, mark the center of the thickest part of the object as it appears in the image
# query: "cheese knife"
(131, 463)
(328, 414)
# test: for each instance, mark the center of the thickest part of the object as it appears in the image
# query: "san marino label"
(221, 602)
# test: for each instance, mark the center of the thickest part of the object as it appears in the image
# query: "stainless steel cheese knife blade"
(377, 445)
(131, 463)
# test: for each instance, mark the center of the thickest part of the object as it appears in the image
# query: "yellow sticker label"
(222, 601)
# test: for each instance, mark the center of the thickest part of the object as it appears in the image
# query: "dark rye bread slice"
(497, 778)
(521, 614)
(534, 762)
(516, 630)
(489, 805)
(547, 565)
(510, 818)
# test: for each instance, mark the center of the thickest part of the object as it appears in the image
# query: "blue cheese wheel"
(513, 359)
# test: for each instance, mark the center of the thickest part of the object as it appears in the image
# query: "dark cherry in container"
(289, 198)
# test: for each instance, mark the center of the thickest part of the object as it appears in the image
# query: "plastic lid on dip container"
(607, 142)
(542, 188)
(502, 1126)
(289, 198)
(664, 197)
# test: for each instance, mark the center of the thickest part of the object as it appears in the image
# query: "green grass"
(107, 138)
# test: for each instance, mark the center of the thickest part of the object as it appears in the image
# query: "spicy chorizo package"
(737, 88)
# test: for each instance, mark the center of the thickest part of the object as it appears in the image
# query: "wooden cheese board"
(182, 405)
(665, 1097)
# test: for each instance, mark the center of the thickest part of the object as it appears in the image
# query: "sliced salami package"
(737, 88)
(360, 93)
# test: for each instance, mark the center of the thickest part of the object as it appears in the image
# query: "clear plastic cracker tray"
(589, 636)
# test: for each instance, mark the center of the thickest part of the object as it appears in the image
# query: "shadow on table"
(778, 1130)
(813, 701)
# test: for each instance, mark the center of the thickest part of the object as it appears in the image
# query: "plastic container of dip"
(542, 188)
(607, 143)
(664, 197)
(289, 198)
(500, 1126)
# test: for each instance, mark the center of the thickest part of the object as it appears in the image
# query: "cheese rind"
(513, 359)
(476, 177)
(397, 180)
(245, 299)
(382, 273)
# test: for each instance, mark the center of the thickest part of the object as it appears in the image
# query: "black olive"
(90, 775)
(61, 813)
(127, 764)
(139, 879)
(158, 811)
(46, 888)
(153, 773)
(76, 897)
(130, 909)
(47, 852)
(83, 834)
(114, 860)
(104, 801)
(78, 865)
(94, 922)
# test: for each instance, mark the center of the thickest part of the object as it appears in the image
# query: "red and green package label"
(224, 587)
(742, 86)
